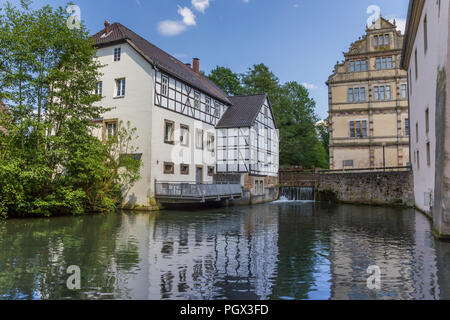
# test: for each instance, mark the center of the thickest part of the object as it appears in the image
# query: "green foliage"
(293, 108)
(227, 80)
(50, 162)
(324, 135)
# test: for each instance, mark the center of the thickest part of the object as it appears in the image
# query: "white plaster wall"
(177, 153)
(135, 107)
(423, 94)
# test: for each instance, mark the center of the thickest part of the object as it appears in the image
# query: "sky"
(299, 40)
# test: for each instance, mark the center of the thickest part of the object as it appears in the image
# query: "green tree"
(324, 134)
(295, 115)
(298, 135)
(48, 74)
(227, 80)
(259, 79)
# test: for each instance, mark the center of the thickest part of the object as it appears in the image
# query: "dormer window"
(381, 40)
(117, 53)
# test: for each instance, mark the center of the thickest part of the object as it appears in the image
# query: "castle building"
(426, 58)
(175, 110)
(368, 103)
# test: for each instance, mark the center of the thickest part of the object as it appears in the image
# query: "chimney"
(188, 65)
(107, 27)
(196, 65)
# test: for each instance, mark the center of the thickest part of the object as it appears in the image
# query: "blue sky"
(300, 40)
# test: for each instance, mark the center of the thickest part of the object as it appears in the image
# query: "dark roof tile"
(243, 112)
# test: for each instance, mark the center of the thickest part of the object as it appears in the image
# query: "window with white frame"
(184, 135)
(99, 89)
(208, 105)
(117, 54)
(199, 139)
(197, 100)
(169, 131)
(216, 109)
(404, 91)
(382, 93)
(110, 129)
(210, 142)
(120, 87)
(165, 86)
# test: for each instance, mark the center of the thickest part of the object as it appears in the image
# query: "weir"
(297, 193)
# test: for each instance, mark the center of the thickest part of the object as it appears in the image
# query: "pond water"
(283, 250)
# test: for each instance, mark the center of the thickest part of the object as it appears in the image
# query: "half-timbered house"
(247, 145)
(175, 110)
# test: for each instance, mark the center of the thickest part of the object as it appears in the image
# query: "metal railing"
(195, 191)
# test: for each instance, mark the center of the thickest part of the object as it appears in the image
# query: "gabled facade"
(368, 103)
(426, 58)
(174, 109)
(248, 138)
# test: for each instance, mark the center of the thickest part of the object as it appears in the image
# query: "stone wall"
(377, 188)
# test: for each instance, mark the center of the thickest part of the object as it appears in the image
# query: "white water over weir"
(297, 193)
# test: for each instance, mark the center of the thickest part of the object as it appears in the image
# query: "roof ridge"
(120, 26)
(249, 95)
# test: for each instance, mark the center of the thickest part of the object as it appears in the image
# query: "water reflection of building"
(194, 255)
(397, 243)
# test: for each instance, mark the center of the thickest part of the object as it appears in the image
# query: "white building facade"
(174, 109)
(425, 57)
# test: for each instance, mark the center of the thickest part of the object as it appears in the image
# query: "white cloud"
(246, 1)
(400, 22)
(309, 86)
(171, 28)
(188, 16)
(180, 56)
(401, 25)
(200, 5)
